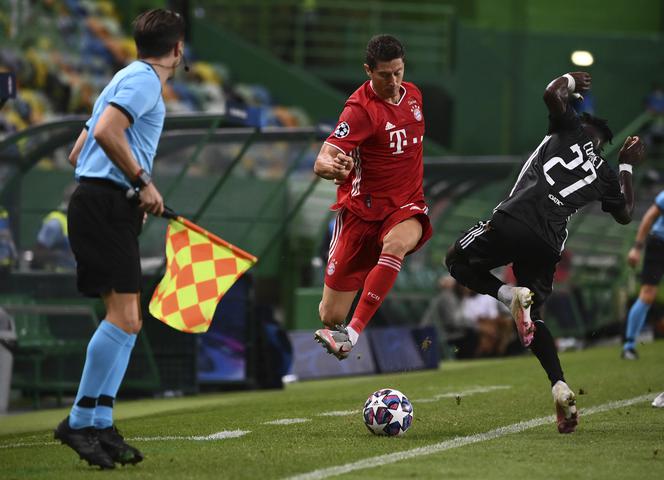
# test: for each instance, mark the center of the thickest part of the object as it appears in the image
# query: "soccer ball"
(388, 412)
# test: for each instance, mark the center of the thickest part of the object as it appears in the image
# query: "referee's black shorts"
(653, 261)
(103, 233)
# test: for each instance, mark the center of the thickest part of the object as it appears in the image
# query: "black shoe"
(85, 442)
(629, 354)
(113, 443)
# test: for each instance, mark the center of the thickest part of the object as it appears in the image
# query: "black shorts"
(653, 261)
(103, 233)
(505, 240)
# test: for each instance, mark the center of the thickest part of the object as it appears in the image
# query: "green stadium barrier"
(50, 346)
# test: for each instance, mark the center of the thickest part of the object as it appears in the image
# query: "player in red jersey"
(375, 156)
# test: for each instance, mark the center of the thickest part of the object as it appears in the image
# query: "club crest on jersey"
(331, 267)
(417, 113)
(342, 130)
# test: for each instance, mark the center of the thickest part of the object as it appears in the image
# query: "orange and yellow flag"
(200, 268)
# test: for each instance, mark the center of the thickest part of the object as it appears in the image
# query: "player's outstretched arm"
(556, 95)
(333, 164)
(631, 154)
(634, 255)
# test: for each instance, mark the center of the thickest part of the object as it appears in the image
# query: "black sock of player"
(544, 349)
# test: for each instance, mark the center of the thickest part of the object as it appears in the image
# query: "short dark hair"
(601, 125)
(383, 48)
(157, 31)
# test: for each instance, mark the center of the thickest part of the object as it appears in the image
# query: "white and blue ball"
(388, 412)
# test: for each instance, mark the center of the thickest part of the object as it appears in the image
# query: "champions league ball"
(388, 412)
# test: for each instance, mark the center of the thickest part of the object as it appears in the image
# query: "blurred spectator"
(654, 131)
(8, 254)
(491, 321)
(65, 51)
(52, 250)
(458, 338)
(469, 325)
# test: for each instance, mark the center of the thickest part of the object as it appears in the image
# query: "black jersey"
(563, 174)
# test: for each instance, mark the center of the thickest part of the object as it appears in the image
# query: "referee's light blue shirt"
(136, 91)
(658, 226)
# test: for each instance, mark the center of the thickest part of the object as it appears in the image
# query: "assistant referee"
(113, 154)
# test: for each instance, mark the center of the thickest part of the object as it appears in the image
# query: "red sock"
(378, 283)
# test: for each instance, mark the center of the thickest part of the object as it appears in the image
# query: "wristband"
(638, 245)
(625, 167)
(142, 179)
(571, 83)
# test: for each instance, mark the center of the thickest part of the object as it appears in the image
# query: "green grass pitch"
(448, 438)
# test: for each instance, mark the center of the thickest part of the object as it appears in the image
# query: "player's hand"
(583, 81)
(633, 257)
(632, 151)
(342, 165)
(151, 200)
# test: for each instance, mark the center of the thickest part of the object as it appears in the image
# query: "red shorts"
(356, 245)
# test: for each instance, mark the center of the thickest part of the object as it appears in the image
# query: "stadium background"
(267, 83)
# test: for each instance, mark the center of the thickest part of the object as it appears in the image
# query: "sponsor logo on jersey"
(398, 140)
(331, 267)
(373, 296)
(555, 200)
(342, 130)
(389, 126)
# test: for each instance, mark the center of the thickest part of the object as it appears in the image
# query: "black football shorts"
(103, 233)
(653, 261)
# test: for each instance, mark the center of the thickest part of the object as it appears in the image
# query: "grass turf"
(626, 442)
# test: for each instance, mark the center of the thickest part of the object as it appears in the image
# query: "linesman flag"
(200, 268)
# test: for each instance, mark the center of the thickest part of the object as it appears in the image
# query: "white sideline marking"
(457, 442)
(199, 438)
(435, 398)
(28, 444)
(338, 413)
(463, 393)
(287, 421)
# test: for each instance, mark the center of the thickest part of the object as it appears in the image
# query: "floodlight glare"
(582, 58)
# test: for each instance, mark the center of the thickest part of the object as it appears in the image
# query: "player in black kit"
(528, 228)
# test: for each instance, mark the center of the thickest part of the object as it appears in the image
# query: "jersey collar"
(402, 89)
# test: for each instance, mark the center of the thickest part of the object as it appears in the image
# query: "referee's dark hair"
(157, 31)
(383, 48)
(601, 125)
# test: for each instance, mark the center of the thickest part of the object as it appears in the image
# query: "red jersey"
(385, 140)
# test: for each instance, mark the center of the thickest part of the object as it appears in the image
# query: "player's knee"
(397, 246)
(130, 324)
(451, 258)
(648, 294)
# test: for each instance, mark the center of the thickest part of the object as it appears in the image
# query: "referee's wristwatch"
(142, 179)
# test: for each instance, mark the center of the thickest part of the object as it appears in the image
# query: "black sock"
(544, 349)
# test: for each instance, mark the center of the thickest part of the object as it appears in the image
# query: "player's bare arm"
(556, 95)
(631, 154)
(333, 164)
(78, 146)
(634, 255)
(110, 135)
